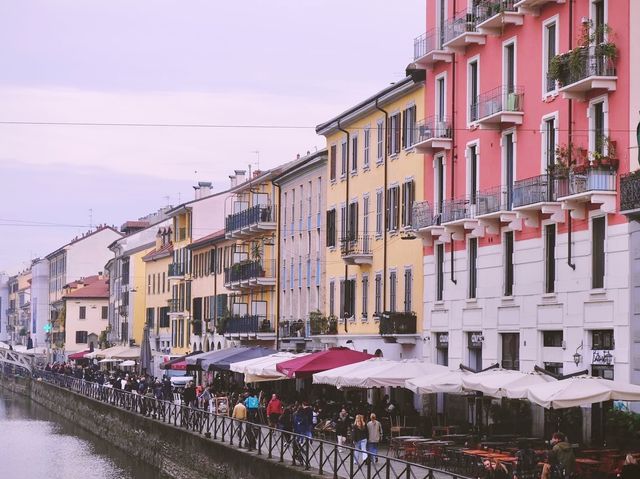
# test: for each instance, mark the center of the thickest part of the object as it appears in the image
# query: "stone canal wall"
(177, 453)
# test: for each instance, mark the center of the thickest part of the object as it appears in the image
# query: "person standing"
(342, 427)
(252, 404)
(360, 434)
(274, 410)
(563, 460)
(374, 435)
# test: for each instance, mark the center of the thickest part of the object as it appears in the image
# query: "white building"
(39, 301)
(86, 305)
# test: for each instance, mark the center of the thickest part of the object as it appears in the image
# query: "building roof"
(77, 239)
(207, 240)
(300, 165)
(162, 252)
(413, 79)
(89, 287)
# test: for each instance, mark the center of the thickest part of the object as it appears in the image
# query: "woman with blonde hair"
(360, 435)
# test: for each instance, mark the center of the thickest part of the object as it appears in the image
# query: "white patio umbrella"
(109, 360)
(439, 382)
(128, 362)
(502, 383)
(264, 368)
(127, 353)
(581, 391)
(376, 373)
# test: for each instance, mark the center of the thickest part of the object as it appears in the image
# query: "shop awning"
(196, 359)
(109, 360)
(501, 383)
(127, 353)
(264, 368)
(320, 361)
(376, 373)
(581, 391)
(176, 364)
(223, 363)
(105, 353)
(442, 382)
(78, 355)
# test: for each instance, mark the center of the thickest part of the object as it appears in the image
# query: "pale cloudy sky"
(242, 62)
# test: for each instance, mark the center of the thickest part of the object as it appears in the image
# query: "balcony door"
(239, 309)
(261, 199)
(259, 309)
(509, 67)
(509, 167)
(239, 206)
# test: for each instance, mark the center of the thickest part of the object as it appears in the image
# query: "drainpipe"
(278, 256)
(384, 202)
(216, 249)
(346, 221)
(570, 262)
(453, 147)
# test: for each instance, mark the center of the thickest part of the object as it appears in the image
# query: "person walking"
(274, 410)
(342, 428)
(374, 435)
(563, 460)
(360, 434)
(240, 414)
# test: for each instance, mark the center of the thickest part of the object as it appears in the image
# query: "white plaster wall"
(89, 255)
(39, 302)
(574, 307)
(93, 324)
(208, 215)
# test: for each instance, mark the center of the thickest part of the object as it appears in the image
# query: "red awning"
(178, 366)
(78, 355)
(331, 358)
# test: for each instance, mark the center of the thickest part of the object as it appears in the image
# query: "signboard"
(442, 340)
(475, 340)
(601, 357)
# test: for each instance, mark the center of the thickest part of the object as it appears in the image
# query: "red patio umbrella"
(331, 358)
(78, 355)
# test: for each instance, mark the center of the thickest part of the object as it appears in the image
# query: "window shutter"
(412, 199)
(404, 204)
(405, 117)
(396, 208)
(328, 233)
(387, 210)
(388, 133)
(332, 165)
(398, 133)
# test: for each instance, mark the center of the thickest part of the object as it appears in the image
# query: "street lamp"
(577, 357)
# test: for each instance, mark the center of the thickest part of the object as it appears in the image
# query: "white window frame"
(411, 135)
(364, 313)
(366, 146)
(474, 59)
(604, 99)
(435, 179)
(543, 139)
(511, 41)
(467, 154)
(380, 206)
(545, 50)
(380, 141)
(503, 154)
(392, 137)
(436, 94)
(354, 154)
(344, 158)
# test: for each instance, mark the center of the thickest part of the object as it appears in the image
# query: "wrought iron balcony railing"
(585, 63)
(459, 24)
(458, 209)
(249, 270)
(246, 324)
(424, 215)
(176, 305)
(294, 329)
(538, 189)
(392, 323)
(490, 8)
(630, 192)
(431, 128)
(356, 245)
(176, 270)
(591, 180)
(251, 216)
(427, 42)
(493, 200)
(500, 99)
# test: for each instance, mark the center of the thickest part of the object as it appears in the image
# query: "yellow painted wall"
(139, 298)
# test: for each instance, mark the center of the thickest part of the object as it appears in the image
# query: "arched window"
(378, 353)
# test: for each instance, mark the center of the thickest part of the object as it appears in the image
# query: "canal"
(34, 443)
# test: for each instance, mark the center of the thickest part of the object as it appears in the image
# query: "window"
(348, 298)
(291, 273)
(393, 289)
(299, 271)
(408, 287)
(352, 221)
(408, 196)
(598, 14)
(549, 142)
(549, 51)
(150, 317)
(354, 155)
(509, 173)
(509, 58)
(511, 351)
(365, 296)
(439, 271)
(378, 294)
(380, 142)
(331, 228)
(554, 368)
(81, 337)
(343, 222)
(602, 339)
(105, 312)
(393, 134)
(474, 90)
(472, 153)
(379, 201)
(343, 160)
(409, 127)
(552, 339)
(366, 144)
(284, 274)
(318, 272)
(441, 98)
(597, 252)
(393, 208)
(83, 312)
(549, 258)
(308, 272)
(473, 267)
(163, 317)
(365, 216)
(597, 130)
(332, 298)
(508, 263)
(439, 183)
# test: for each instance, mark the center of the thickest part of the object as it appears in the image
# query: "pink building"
(530, 125)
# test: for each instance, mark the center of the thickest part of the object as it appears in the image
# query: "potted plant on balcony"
(605, 156)
(333, 325)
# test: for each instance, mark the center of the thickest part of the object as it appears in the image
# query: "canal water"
(36, 444)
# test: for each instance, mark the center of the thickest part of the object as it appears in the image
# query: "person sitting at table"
(526, 464)
(563, 460)
(630, 469)
(494, 470)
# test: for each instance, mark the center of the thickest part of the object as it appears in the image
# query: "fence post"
(307, 444)
(335, 461)
(388, 468)
(408, 470)
(320, 465)
(270, 443)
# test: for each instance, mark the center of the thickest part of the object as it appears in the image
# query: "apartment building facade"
(86, 313)
(373, 262)
(527, 257)
(4, 307)
(301, 239)
(39, 303)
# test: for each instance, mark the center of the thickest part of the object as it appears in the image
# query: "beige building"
(86, 306)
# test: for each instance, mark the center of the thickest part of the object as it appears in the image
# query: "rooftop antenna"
(90, 218)
(257, 153)
(167, 198)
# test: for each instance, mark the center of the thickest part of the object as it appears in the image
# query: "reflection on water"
(36, 444)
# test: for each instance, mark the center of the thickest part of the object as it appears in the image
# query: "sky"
(236, 65)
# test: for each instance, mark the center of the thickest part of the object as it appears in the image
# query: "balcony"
(461, 31)
(176, 271)
(176, 306)
(630, 193)
(493, 15)
(356, 249)
(533, 6)
(428, 49)
(494, 207)
(584, 70)
(294, 330)
(426, 222)
(246, 324)
(394, 324)
(250, 274)
(323, 326)
(594, 186)
(432, 134)
(458, 217)
(537, 194)
(499, 107)
(256, 219)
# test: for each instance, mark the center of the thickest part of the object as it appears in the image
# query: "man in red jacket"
(274, 410)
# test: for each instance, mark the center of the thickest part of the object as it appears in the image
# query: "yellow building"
(156, 292)
(250, 263)
(373, 263)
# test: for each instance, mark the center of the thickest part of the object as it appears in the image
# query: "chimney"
(234, 180)
(202, 190)
(256, 173)
(240, 174)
